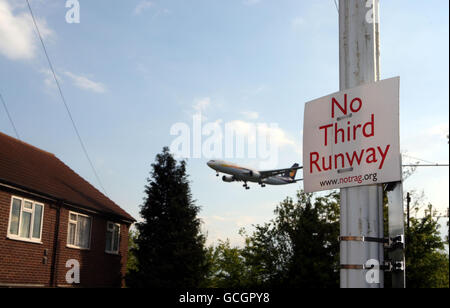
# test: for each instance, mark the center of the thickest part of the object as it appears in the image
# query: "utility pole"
(361, 207)
(408, 203)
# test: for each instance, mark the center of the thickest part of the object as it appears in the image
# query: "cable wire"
(64, 100)
(9, 116)
(423, 160)
(430, 165)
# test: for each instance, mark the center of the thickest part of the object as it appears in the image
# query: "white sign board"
(351, 138)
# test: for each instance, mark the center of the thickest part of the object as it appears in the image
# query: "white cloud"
(277, 135)
(49, 80)
(243, 128)
(428, 143)
(227, 226)
(18, 40)
(85, 83)
(297, 22)
(438, 130)
(142, 6)
(251, 2)
(201, 105)
(251, 115)
(198, 108)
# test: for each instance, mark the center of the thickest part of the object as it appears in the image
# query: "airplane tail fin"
(292, 173)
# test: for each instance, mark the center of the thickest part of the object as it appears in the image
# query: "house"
(56, 229)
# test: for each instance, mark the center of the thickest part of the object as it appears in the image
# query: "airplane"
(237, 173)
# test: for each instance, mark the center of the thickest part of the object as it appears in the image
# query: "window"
(112, 237)
(79, 231)
(25, 220)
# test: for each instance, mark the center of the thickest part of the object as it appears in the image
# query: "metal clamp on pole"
(353, 267)
(363, 239)
(385, 267)
(397, 242)
(396, 266)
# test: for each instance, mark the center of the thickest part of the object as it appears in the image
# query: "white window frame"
(76, 231)
(17, 237)
(112, 238)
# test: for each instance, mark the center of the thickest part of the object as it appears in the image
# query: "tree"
(299, 248)
(170, 246)
(227, 267)
(426, 262)
(132, 264)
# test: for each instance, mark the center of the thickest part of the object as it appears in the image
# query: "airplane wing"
(269, 173)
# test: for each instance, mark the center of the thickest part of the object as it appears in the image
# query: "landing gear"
(246, 186)
(262, 184)
(217, 174)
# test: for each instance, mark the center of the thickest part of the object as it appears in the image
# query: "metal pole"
(408, 203)
(397, 230)
(361, 207)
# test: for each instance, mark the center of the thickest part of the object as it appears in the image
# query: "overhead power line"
(9, 116)
(337, 7)
(427, 165)
(64, 100)
(422, 160)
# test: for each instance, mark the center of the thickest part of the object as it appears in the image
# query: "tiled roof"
(39, 171)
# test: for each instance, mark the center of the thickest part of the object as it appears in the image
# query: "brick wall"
(22, 263)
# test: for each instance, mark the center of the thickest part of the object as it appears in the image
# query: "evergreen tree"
(170, 246)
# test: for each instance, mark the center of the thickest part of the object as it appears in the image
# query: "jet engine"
(228, 178)
(255, 174)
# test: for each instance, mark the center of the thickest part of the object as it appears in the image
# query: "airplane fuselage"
(278, 180)
(238, 172)
(245, 174)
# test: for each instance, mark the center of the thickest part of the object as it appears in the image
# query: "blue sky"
(132, 69)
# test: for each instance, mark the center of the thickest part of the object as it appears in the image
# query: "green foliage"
(427, 263)
(299, 248)
(170, 246)
(226, 267)
(132, 263)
